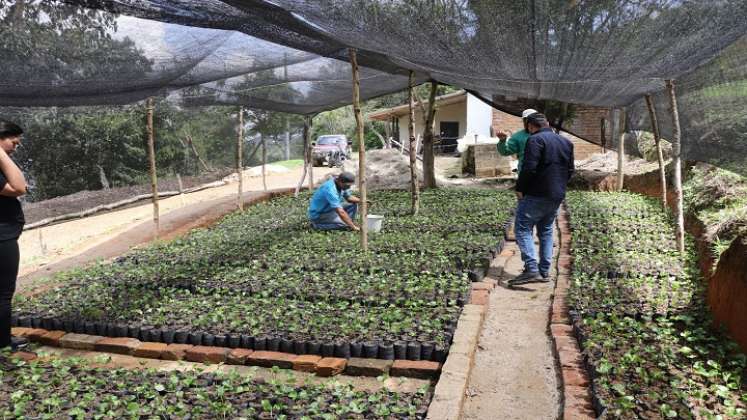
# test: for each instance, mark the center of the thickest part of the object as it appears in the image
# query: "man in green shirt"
(516, 143)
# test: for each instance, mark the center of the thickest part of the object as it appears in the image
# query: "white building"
(458, 114)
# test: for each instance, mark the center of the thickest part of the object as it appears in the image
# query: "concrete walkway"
(515, 375)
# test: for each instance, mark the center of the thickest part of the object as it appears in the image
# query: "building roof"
(402, 110)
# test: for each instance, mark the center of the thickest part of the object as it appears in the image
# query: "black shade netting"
(606, 53)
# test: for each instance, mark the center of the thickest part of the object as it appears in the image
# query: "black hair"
(538, 120)
(9, 129)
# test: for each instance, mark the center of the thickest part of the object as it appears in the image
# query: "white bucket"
(374, 222)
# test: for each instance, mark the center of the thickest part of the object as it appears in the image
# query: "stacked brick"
(576, 386)
(321, 366)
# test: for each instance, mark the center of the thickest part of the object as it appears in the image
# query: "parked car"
(331, 148)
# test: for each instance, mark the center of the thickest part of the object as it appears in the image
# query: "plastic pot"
(386, 351)
(370, 349)
(220, 340)
(314, 347)
(413, 350)
(400, 350)
(356, 349)
(247, 341)
(195, 338)
(426, 350)
(299, 347)
(273, 343)
(342, 350)
(234, 341)
(260, 343)
(286, 345)
(167, 335)
(181, 336)
(328, 349)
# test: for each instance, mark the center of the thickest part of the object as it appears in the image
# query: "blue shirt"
(548, 165)
(326, 198)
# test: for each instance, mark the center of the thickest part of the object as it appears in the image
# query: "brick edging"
(322, 366)
(577, 395)
(450, 391)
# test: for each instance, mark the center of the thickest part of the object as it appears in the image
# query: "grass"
(718, 198)
(290, 164)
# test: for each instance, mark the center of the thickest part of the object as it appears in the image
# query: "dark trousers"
(9, 257)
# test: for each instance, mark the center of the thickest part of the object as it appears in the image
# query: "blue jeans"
(540, 212)
(332, 221)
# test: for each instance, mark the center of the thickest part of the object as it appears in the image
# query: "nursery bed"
(71, 388)
(262, 279)
(638, 309)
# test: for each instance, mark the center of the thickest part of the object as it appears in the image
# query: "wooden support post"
(361, 149)
(239, 160)
(429, 164)
(414, 190)
(152, 160)
(659, 152)
(677, 158)
(264, 163)
(307, 164)
(603, 134)
(307, 121)
(181, 187)
(621, 150)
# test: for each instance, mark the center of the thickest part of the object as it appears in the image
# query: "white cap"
(528, 112)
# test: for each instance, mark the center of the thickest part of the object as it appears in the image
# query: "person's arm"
(508, 147)
(346, 218)
(14, 182)
(353, 199)
(532, 153)
(334, 201)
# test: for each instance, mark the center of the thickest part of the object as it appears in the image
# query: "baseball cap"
(528, 112)
(346, 177)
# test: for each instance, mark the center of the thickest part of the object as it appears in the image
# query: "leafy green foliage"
(68, 388)
(644, 325)
(300, 284)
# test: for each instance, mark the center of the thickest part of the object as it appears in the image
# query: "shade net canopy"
(288, 55)
(66, 55)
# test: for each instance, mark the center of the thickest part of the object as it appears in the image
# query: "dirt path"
(65, 245)
(515, 375)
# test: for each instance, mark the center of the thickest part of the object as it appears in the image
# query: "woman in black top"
(12, 185)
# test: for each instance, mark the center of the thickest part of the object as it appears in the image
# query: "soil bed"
(262, 279)
(638, 308)
(69, 388)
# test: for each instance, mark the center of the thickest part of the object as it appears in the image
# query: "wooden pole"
(361, 149)
(181, 187)
(305, 156)
(307, 121)
(415, 193)
(677, 158)
(621, 151)
(429, 164)
(603, 134)
(659, 152)
(264, 162)
(152, 160)
(239, 162)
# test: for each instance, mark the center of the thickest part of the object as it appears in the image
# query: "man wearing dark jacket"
(548, 165)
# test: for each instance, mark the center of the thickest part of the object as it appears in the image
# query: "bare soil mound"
(385, 169)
